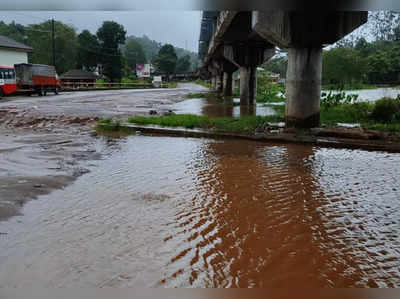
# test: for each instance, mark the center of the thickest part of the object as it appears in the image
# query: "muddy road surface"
(47, 142)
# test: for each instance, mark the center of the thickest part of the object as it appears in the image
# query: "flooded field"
(174, 212)
(372, 95)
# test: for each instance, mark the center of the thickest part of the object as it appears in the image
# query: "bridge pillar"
(248, 56)
(227, 84)
(219, 82)
(213, 83)
(303, 33)
(248, 85)
(303, 87)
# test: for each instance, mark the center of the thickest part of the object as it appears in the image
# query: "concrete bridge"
(233, 40)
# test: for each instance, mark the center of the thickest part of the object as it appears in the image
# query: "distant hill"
(151, 48)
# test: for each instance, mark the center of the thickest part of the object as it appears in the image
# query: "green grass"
(203, 83)
(200, 95)
(227, 124)
(346, 113)
(172, 84)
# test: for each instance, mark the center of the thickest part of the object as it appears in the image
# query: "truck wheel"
(40, 92)
(1, 93)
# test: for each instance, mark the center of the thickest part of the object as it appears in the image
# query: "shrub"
(386, 110)
(329, 99)
(270, 92)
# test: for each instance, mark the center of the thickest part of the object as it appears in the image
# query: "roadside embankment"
(253, 128)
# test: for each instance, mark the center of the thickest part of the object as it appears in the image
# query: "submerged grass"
(228, 124)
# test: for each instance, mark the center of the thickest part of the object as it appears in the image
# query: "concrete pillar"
(214, 83)
(248, 85)
(248, 110)
(227, 84)
(219, 84)
(303, 87)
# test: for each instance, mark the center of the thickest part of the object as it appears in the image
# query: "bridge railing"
(101, 86)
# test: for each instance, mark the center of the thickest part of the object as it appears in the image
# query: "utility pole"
(53, 37)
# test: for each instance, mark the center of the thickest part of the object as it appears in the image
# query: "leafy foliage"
(166, 59)
(268, 91)
(134, 54)
(335, 99)
(111, 35)
(387, 110)
(88, 51)
(183, 64)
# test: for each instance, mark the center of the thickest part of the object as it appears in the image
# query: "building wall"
(10, 57)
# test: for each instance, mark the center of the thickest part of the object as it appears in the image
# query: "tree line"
(110, 48)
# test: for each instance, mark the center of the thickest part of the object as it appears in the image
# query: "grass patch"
(172, 85)
(200, 95)
(346, 113)
(227, 124)
(203, 83)
(108, 124)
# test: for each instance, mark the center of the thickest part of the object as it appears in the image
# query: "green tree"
(150, 47)
(88, 51)
(277, 65)
(111, 35)
(166, 59)
(39, 38)
(14, 31)
(343, 66)
(134, 54)
(183, 64)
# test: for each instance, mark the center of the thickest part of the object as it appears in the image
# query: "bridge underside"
(244, 40)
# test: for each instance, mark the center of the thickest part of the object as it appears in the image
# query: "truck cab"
(8, 84)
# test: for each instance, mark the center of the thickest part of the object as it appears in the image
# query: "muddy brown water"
(175, 212)
(220, 108)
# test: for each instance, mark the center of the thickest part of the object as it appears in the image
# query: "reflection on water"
(192, 212)
(220, 108)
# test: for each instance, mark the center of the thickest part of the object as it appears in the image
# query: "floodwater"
(372, 95)
(220, 108)
(175, 212)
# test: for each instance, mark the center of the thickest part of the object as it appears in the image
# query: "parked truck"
(37, 78)
(8, 84)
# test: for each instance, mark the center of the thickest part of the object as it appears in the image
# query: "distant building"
(13, 52)
(78, 78)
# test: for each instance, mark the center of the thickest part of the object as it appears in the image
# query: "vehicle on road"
(8, 83)
(37, 78)
(29, 78)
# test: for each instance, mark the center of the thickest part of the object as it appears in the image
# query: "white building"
(13, 52)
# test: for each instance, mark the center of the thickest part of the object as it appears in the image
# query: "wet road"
(180, 212)
(47, 142)
(109, 103)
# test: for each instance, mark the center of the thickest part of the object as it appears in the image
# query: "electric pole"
(53, 37)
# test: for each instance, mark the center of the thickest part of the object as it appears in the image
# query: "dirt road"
(47, 141)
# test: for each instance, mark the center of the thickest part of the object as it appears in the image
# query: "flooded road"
(175, 212)
(220, 108)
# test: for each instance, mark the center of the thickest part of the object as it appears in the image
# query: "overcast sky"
(180, 28)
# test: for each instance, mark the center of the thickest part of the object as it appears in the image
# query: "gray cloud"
(179, 28)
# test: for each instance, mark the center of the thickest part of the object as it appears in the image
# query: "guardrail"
(100, 86)
(82, 85)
